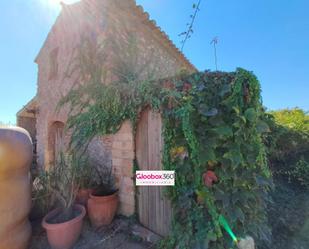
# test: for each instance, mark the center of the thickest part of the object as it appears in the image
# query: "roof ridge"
(33, 100)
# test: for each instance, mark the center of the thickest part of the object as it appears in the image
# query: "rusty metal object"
(15, 190)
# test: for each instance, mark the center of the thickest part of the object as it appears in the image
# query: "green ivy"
(219, 122)
(213, 121)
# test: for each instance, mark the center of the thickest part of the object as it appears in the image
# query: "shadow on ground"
(115, 236)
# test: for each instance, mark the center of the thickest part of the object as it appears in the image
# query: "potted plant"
(103, 201)
(85, 183)
(42, 200)
(64, 224)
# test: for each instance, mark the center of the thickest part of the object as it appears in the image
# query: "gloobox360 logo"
(155, 178)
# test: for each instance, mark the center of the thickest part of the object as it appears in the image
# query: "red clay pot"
(102, 209)
(64, 235)
(83, 196)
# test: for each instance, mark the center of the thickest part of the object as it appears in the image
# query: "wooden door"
(55, 142)
(154, 209)
(59, 146)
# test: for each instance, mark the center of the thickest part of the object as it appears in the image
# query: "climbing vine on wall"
(213, 142)
(213, 122)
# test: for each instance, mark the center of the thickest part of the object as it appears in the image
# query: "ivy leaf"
(202, 108)
(224, 131)
(224, 90)
(236, 109)
(216, 120)
(239, 214)
(196, 77)
(207, 155)
(250, 114)
(261, 181)
(235, 156)
(243, 119)
(224, 197)
(262, 127)
(211, 236)
(210, 143)
(210, 112)
(200, 87)
(209, 178)
(201, 194)
(206, 243)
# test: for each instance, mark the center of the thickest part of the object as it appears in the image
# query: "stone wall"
(73, 22)
(157, 56)
(123, 155)
(109, 20)
(28, 123)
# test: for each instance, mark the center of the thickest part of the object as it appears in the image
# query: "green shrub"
(288, 144)
(301, 173)
(295, 119)
(288, 155)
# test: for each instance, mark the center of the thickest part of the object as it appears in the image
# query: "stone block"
(123, 137)
(126, 209)
(127, 170)
(123, 154)
(126, 182)
(122, 163)
(127, 198)
(126, 127)
(122, 145)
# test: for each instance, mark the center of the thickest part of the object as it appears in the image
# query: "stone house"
(106, 19)
(26, 118)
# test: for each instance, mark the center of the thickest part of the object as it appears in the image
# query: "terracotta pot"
(83, 196)
(64, 235)
(102, 209)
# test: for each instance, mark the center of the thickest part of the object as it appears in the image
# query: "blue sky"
(271, 38)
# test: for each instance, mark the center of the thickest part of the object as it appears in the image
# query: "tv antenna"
(215, 42)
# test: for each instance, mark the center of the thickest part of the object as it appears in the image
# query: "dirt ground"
(115, 236)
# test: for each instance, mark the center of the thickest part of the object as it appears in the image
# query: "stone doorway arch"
(55, 141)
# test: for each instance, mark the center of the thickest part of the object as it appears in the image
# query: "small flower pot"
(64, 235)
(102, 209)
(83, 196)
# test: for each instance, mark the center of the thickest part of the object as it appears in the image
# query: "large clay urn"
(102, 208)
(64, 235)
(83, 196)
(15, 190)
